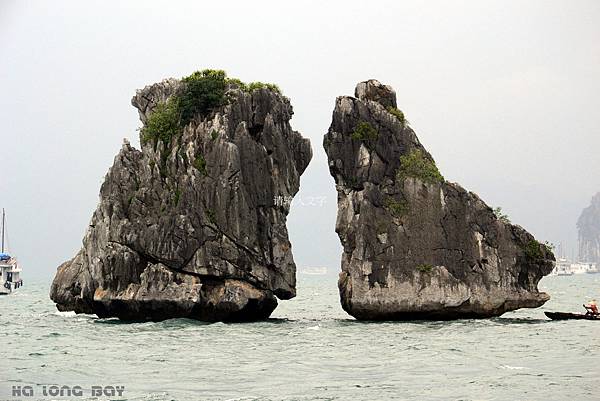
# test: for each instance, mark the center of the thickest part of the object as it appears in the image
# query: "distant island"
(588, 226)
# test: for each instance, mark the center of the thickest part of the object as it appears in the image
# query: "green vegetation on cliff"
(500, 215)
(535, 250)
(417, 165)
(397, 208)
(200, 93)
(163, 124)
(262, 85)
(425, 268)
(365, 132)
(398, 114)
(200, 164)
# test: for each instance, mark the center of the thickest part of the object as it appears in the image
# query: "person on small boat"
(592, 308)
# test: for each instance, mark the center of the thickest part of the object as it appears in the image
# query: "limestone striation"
(588, 225)
(191, 225)
(417, 246)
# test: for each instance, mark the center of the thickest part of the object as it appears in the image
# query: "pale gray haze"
(504, 94)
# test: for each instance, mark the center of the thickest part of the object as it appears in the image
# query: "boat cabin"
(9, 274)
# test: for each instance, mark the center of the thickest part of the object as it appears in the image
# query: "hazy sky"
(504, 94)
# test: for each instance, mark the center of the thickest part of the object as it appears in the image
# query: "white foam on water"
(65, 314)
(512, 367)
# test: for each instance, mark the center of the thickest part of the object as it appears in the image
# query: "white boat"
(584, 268)
(591, 268)
(10, 279)
(313, 271)
(562, 267)
(564, 273)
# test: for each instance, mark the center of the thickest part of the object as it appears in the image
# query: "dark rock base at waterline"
(465, 311)
(164, 309)
(157, 310)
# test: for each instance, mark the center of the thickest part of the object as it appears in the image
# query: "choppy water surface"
(309, 350)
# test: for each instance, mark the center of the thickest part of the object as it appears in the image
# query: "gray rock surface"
(416, 246)
(193, 228)
(588, 225)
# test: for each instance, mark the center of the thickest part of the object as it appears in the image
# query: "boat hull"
(571, 316)
(11, 287)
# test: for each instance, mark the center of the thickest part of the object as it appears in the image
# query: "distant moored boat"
(313, 271)
(10, 279)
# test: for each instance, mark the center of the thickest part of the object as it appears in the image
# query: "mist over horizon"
(503, 95)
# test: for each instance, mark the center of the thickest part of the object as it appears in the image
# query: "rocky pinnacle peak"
(377, 92)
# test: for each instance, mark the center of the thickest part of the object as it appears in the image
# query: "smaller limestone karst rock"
(417, 246)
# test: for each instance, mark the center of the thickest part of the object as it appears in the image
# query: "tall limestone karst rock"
(191, 225)
(415, 245)
(588, 225)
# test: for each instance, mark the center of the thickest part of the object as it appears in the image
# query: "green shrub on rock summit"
(199, 94)
(202, 91)
(261, 85)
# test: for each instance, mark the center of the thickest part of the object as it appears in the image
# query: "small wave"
(65, 314)
(317, 327)
(19, 294)
(518, 320)
(508, 367)
(279, 320)
(151, 397)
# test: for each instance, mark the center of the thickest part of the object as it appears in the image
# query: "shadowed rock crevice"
(189, 226)
(415, 245)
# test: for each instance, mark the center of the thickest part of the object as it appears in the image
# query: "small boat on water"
(10, 271)
(591, 314)
(564, 273)
(313, 271)
(563, 267)
(569, 316)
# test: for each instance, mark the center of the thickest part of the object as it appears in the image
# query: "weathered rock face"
(193, 227)
(416, 246)
(588, 225)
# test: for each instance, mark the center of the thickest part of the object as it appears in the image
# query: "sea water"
(309, 350)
